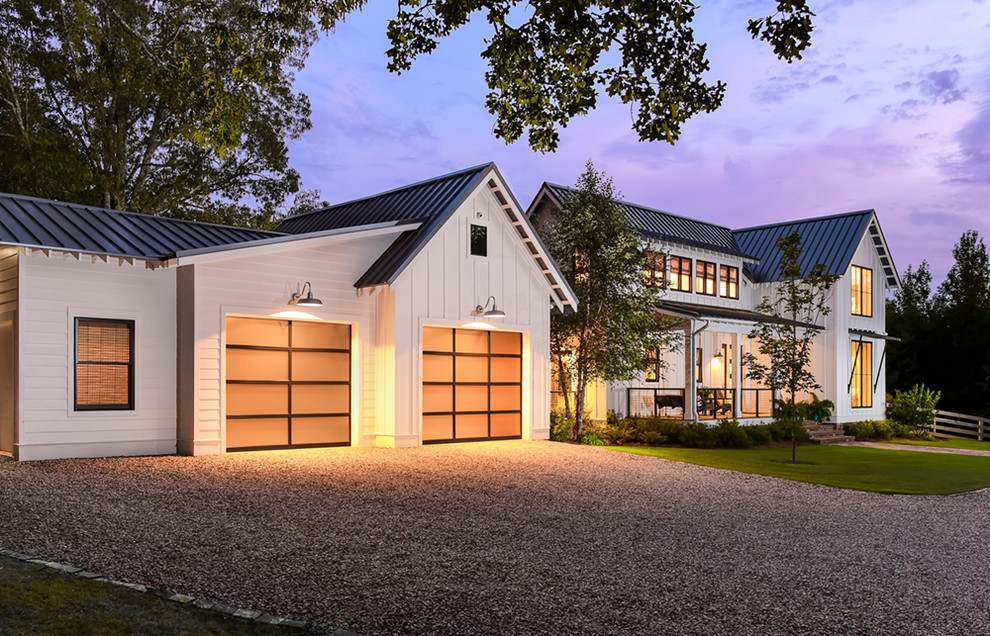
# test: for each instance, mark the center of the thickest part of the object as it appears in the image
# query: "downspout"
(691, 394)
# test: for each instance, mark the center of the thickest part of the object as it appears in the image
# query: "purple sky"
(890, 109)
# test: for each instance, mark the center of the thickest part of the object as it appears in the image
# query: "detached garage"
(420, 315)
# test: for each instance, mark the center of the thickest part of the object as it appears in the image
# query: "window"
(680, 273)
(861, 387)
(704, 281)
(654, 273)
(479, 240)
(728, 282)
(104, 364)
(862, 291)
(697, 365)
(653, 365)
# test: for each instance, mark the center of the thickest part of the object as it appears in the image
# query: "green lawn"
(943, 443)
(858, 468)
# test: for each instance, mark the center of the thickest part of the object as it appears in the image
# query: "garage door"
(288, 384)
(472, 385)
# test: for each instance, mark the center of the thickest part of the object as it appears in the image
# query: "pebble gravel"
(511, 538)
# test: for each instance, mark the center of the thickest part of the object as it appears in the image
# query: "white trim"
(73, 312)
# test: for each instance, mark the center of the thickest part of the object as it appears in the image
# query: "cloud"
(908, 109)
(972, 162)
(942, 86)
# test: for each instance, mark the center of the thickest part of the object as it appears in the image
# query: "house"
(418, 315)
(715, 278)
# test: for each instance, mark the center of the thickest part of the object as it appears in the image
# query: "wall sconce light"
(308, 301)
(494, 312)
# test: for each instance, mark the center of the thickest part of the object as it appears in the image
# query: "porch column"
(736, 376)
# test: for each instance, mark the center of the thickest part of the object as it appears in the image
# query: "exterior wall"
(8, 348)
(442, 287)
(53, 291)
(839, 340)
(260, 285)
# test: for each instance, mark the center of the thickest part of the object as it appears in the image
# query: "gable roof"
(661, 225)
(45, 224)
(429, 203)
(830, 240)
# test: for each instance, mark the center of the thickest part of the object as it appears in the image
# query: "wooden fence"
(949, 425)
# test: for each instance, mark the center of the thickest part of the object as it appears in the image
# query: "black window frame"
(705, 272)
(478, 235)
(865, 308)
(858, 349)
(729, 276)
(678, 270)
(655, 269)
(652, 365)
(76, 406)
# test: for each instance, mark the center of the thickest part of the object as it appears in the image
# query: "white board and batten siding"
(8, 348)
(57, 288)
(838, 338)
(442, 287)
(260, 285)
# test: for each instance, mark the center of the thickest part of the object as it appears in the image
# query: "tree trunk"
(579, 407)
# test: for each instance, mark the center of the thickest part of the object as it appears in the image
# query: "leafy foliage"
(793, 307)
(914, 408)
(178, 107)
(884, 430)
(616, 324)
(547, 66)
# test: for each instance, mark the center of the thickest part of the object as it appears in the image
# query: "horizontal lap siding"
(261, 285)
(8, 350)
(55, 290)
(444, 284)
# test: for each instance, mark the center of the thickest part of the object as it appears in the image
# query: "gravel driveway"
(512, 538)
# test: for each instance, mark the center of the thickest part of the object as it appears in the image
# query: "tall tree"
(611, 335)
(793, 306)
(910, 318)
(962, 308)
(162, 106)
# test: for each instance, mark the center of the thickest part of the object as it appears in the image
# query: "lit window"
(479, 240)
(104, 364)
(680, 273)
(862, 291)
(654, 270)
(728, 282)
(704, 280)
(653, 365)
(861, 388)
(697, 365)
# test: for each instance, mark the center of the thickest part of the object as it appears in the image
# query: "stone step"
(834, 439)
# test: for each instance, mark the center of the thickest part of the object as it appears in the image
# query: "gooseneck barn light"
(298, 299)
(494, 312)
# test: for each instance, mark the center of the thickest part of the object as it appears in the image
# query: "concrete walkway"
(924, 449)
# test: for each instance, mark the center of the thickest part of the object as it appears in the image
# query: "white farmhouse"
(715, 277)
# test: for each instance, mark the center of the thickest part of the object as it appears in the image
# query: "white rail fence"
(951, 425)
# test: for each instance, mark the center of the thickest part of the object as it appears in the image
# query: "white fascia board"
(288, 242)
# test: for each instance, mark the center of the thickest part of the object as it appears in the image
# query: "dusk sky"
(889, 109)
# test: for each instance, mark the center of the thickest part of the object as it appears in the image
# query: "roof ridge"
(391, 191)
(657, 210)
(91, 208)
(803, 221)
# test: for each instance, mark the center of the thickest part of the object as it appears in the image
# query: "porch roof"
(690, 310)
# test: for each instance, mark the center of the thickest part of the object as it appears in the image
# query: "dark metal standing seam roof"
(47, 224)
(430, 202)
(829, 240)
(670, 227)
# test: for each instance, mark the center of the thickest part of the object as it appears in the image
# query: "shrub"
(780, 431)
(759, 434)
(728, 434)
(873, 429)
(915, 408)
(815, 409)
(619, 431)
(593, 438)
(561, 428)
(697, 435)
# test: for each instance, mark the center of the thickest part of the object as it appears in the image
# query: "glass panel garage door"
(472, 385)
(288, 384)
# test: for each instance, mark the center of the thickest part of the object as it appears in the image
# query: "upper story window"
(654, 270)
(704, 280)
(680, 273)
(479, 240)
(862, 291)
(104, 364)
(728, 282)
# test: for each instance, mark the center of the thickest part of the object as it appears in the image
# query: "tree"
(910, 318)
(178, 107)
(546, 68)
(793, 306)
(616, 326)
(962, 310)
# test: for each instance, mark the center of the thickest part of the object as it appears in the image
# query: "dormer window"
(728, 282)
(862, 291)
(680, 273)
(654, 270)
(704, 280)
